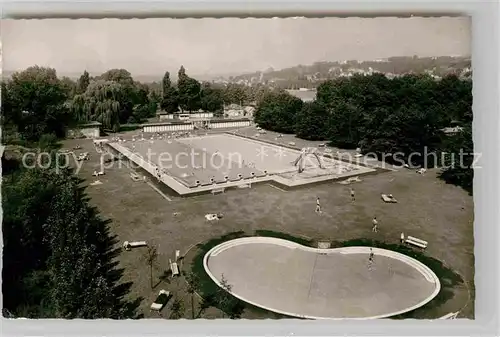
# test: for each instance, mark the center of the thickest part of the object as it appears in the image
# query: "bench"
(129, 245)
(174, 268)
(161, 300)
(389, 198)
(218, 190)
(416, 242)
(97, 174)
(211, 217)
(350, 180)
(135, 177)
(421, 171)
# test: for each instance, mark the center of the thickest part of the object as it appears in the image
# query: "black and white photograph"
(274, 168)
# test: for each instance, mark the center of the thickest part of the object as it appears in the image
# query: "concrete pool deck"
(240, 162)
(291, 279)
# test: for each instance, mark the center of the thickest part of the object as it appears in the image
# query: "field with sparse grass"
(428, 208)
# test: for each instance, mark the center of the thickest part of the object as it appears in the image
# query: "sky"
(223, 46)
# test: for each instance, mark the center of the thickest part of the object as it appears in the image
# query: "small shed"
(162, 115)
(88, 130)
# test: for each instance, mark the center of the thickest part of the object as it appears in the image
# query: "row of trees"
(58, 256)
(113, 98)
(383, 116)
(191, 95)
(36, 102)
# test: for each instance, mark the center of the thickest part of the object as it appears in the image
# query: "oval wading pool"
(340, 283)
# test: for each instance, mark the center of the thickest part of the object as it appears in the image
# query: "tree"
(193, 283)
(83, 82)
(278, 111)
(170, 101)
(155, 93)
(407, 130)
(456, 95)
(258, 92)
(458, 157)
(36, 103)
(140, 94)
(9, 114)
(151, 256)
(143, 107)
(102, 102)
(170, 95)
(166, 83)
(58, 252)
(209, 300)
(227, 302)
(402, 116)
(177, 309)
(312, 122)
(127, 85)
(235, 93)
(181, 75)
(69, 86)
(347, 124)
(189, 92)
(211, 99)
(121, 76)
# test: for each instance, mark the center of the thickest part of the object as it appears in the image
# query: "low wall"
(167, 127)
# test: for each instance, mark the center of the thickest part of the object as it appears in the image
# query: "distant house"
(304, 95)
(233, 110)
(162, 115)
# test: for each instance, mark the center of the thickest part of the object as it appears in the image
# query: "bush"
(59, 256)
(48, 142)
(384, 116)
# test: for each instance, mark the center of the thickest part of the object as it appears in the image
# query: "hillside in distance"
(308, 76)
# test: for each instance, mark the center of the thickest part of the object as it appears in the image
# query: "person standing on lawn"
(318, 206)
(374, 225)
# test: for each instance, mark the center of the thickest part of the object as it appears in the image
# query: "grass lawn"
(428, 209)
